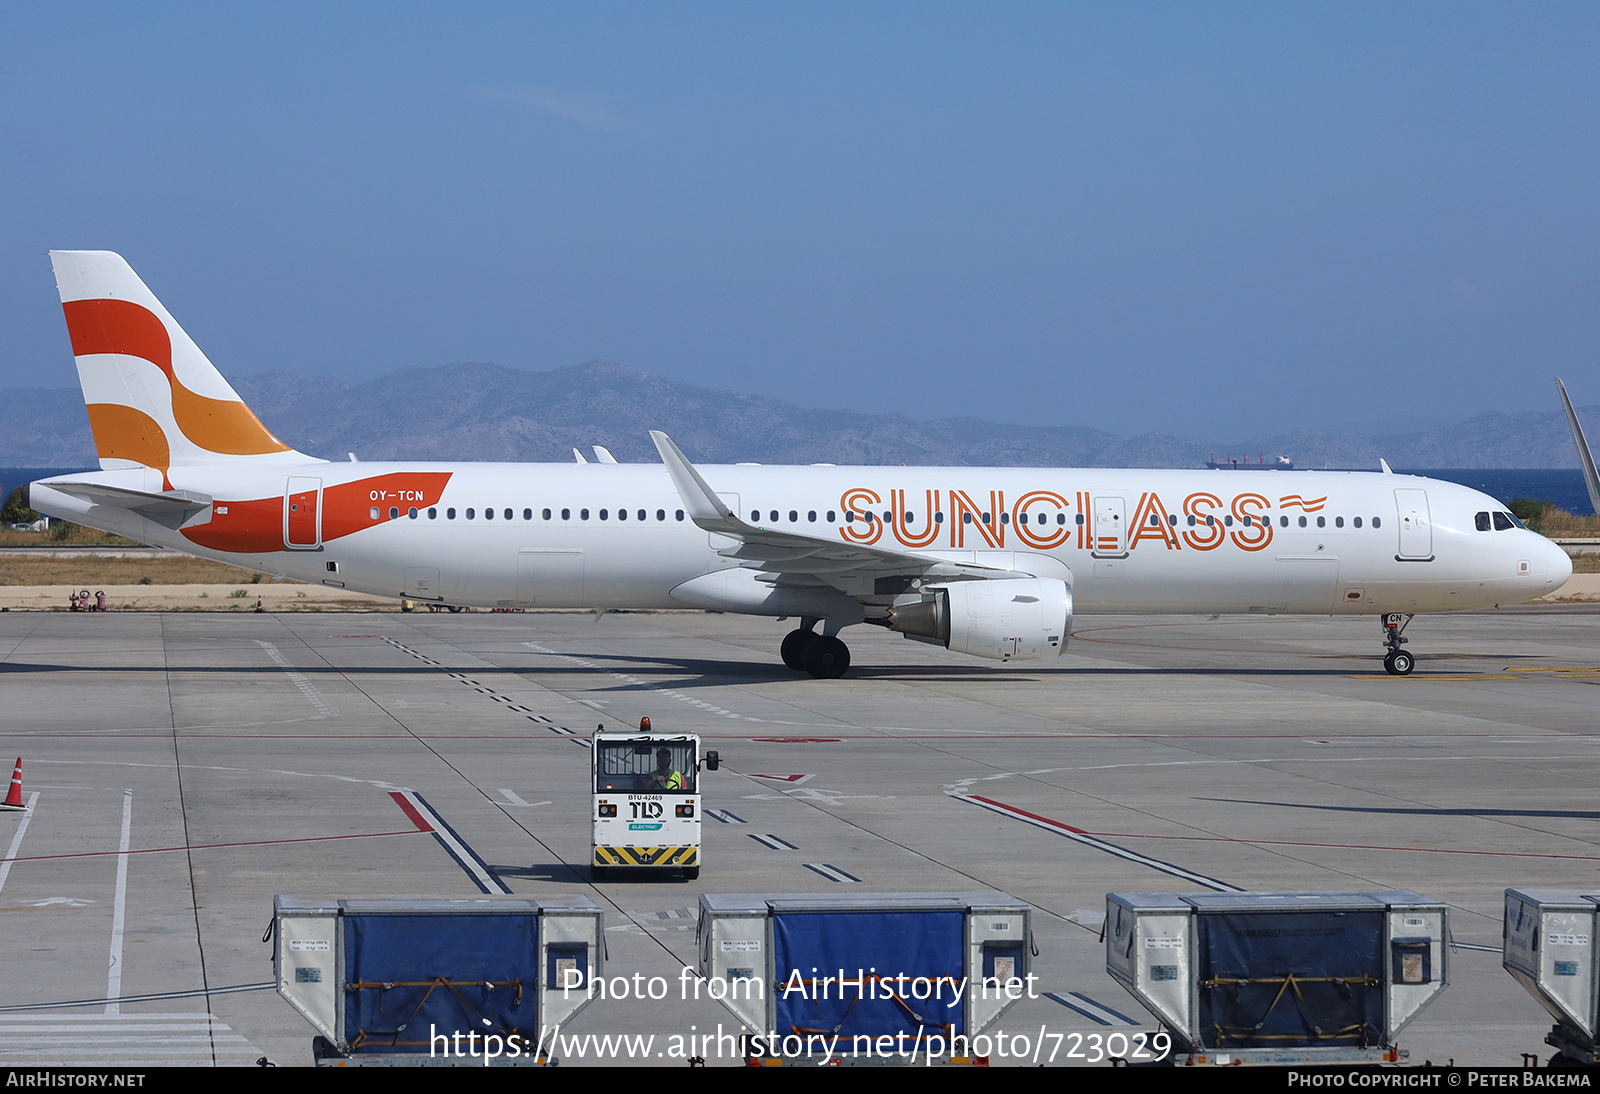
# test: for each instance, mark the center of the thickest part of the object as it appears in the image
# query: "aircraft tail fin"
(154, 399)
(1585, 458)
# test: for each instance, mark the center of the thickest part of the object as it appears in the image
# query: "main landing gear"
(821, 655)
(1397, 662)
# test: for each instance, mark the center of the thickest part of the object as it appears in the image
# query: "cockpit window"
(1482, 521)
(1516, 521)
(1502, 521)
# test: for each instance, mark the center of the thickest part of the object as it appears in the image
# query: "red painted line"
(206, 846)
(1032, 816)
(411, 811)
(1277, 842)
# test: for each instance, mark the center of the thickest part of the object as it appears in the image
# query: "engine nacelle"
(1020, 619)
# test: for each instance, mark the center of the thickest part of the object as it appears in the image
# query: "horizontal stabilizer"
(171, 509)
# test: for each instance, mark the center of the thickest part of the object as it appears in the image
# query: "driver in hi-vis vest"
(664, 777)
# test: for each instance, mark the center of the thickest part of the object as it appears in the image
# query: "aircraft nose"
(1558, 564)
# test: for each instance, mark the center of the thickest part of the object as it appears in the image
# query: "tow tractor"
(647, 800)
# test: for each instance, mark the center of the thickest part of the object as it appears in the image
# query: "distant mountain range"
(477, 411)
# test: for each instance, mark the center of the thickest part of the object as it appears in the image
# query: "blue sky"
(1205, 219)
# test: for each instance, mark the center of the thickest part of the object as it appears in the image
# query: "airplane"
(990, 562)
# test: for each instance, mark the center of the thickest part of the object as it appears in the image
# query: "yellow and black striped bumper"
(647, 856)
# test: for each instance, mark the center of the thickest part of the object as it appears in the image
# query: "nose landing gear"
(1397, 662)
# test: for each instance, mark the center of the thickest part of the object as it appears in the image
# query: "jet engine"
(1013, 619)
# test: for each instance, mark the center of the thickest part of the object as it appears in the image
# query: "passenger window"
(488, 514)
(1228, 520)
(1338, 522)
(450, 514)
(433, 514)
(966, 518)
(469, 514)
(1211, 521)
(911, 518)
(1481, 522)
(527, 514)
(680, 514)
(566, 514)
(1283, 522)
(811, 515)
(774, 516)
(661, 514)
(1357, 521)
(622, 514)
(393, 513)
(1192, 521)
(604, 513)
(1061, 518)
(412, 512)
(545, 514)
(986, 518)
(374, 513)
(583, 514)
(755, 516)
(642, 514)
(830, 516)
(1322, 522)
(1005, 518)
(1080, 518)
(507, 514)
(938, 517)
(1376, 523)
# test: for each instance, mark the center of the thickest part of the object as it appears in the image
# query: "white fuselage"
(1302, 542)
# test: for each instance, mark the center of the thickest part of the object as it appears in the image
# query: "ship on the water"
(1247, 463)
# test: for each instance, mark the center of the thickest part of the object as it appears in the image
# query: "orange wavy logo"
(224, 426)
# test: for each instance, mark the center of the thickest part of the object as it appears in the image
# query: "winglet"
(1585, 459)
(578, 456)
(1383, 465)
(603, 454)
(705, 508)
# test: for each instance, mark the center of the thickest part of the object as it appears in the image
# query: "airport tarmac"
(182, 768)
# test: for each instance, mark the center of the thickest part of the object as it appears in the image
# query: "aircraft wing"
(1591, 479)
(794, 558)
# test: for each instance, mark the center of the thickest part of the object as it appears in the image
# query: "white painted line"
(459, 851)
(724, 816)
(1068, 832)
(307, 688)
(16, 841)
(638, 683)
(513, 799)
(119, 907)
(832, 873)
(777, 843)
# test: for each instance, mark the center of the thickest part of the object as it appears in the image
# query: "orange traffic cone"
(14, 795)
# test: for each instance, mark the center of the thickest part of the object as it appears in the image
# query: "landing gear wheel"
(690, 873)
(793, 650)
(1399, 663)
(453, 607)
(827, 658)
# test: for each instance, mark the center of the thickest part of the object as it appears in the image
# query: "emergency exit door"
(1109, 532)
